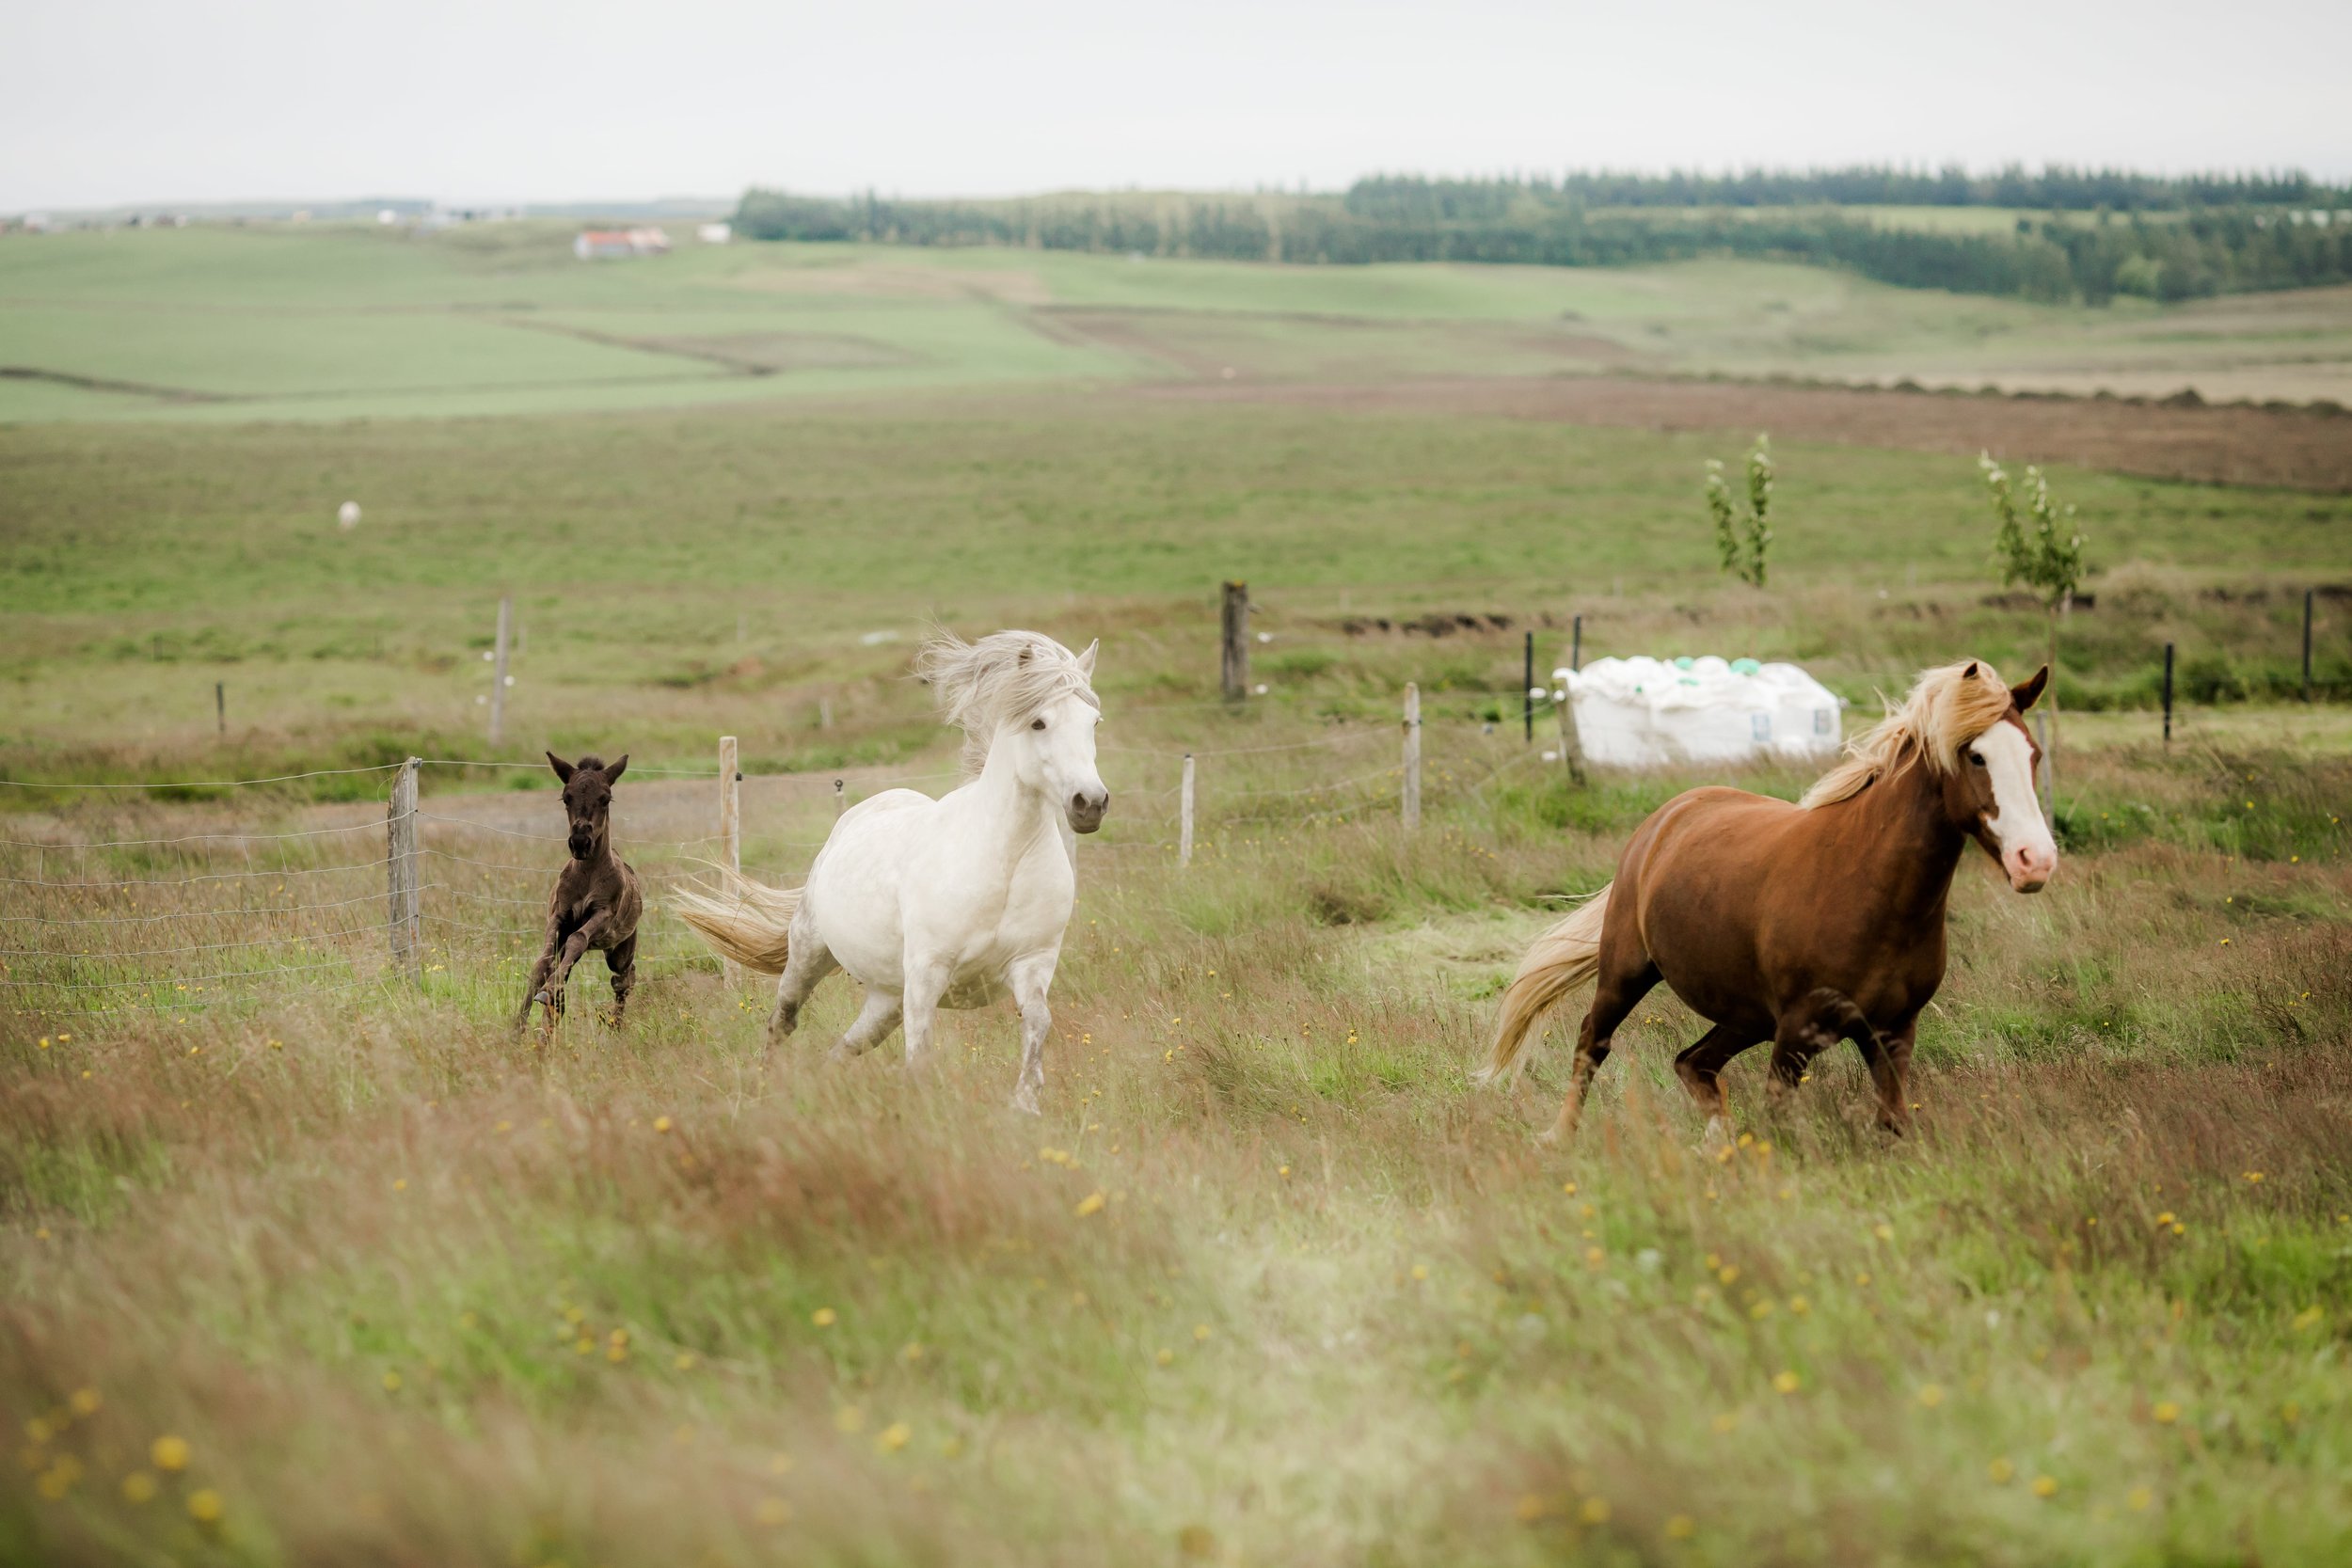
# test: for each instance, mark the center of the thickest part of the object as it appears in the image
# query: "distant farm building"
(715, 233)
(601, 244)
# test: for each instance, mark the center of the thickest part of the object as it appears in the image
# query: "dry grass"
(412, 1292)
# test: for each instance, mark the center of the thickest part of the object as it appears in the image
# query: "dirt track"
(2227, 445)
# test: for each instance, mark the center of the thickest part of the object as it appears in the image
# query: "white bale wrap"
(1658, 713)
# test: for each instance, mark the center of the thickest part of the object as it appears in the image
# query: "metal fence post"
(1527, 690)
(2168, 694)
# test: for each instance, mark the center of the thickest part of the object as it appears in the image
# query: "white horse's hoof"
(1024, 1101)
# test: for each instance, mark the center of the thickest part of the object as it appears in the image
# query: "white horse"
(951, 902)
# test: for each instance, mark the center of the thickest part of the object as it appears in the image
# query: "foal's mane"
(1947, 708)
(1002, 679)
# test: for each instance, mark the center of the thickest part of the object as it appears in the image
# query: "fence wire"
(160, 921)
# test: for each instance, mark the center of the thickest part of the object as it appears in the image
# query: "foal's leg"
(574, 945)
(1031, 979)
(871, 1027)
(806, 962)
(1700, 1066)
(1615, 997)
(539, 974)
(620, 961)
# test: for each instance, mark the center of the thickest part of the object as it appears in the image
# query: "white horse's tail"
(1561, 959)
(747, 923)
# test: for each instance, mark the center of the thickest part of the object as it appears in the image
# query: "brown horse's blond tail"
(1562, 959)
(747, 923)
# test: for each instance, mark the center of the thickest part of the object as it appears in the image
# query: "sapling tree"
(1742, 536)
(2041, 550)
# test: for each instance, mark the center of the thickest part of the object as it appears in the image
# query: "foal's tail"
(1562, 959)
(747, 922)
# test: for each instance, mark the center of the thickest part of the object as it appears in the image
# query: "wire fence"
(164, 921)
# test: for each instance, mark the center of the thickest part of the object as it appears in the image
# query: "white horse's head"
(1023, 696)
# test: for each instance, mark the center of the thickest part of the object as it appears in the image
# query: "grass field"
(342, 322)
(342, 1271)
(305, 1259)
(677, 576)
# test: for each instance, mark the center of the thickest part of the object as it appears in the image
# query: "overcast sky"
(161, 101)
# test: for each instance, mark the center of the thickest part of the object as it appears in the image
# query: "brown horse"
(595, 902)
(1801, 924)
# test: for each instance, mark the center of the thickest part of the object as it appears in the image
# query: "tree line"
(2057, 187)
(2175, 239)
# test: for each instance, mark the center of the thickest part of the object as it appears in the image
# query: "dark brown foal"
(1801, 924)
(595, 902)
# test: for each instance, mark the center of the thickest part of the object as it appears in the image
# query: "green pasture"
(337, 323)
(682, 575)
(311, 1259)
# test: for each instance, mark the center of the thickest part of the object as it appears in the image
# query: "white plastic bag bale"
(1707, 711)
(1613, 717)
(1809, 724)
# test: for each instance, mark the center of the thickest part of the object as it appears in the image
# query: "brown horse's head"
(587, 801)
(1990, 792)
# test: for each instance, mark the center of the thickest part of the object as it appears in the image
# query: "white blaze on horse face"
(2029, 854)
(1059, 758)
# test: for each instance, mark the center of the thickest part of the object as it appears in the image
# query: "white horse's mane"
(1947, 708)
(1002, 679)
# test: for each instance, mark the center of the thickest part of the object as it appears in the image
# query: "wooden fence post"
(1571, 741)
(1234, 666)
(1184, 818)
(1412, 755)
(498, 671)
(1576, 647)
(403, 898)
(840, 798)
(730, 826)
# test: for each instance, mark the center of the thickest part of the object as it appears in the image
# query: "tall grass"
(1269, 1281)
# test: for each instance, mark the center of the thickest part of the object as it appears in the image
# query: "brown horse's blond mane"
(1947, 708)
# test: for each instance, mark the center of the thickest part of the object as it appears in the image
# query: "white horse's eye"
(1037, 724)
